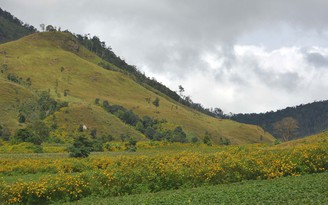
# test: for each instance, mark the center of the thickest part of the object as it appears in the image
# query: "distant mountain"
(312, 118)
(12, 28)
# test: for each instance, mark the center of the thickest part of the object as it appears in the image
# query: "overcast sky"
(239, 55)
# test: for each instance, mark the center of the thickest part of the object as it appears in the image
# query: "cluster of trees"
(16, 79)
(36, 133)
(310, 119)
(32, 114)
(150, 127)
(44, 106)
(11, 28)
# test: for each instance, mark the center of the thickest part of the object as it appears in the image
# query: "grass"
(51, 64)
(307, 189)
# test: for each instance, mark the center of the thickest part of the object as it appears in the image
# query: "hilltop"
(55, 62)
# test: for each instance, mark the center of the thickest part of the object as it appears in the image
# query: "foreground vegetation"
(307, 189)
(155, 168)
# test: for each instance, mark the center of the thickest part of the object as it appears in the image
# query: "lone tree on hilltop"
(181, 90)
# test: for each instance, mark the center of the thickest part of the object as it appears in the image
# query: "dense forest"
(311, 118)
(11, 28)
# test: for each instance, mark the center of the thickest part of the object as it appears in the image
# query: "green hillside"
(55, 62)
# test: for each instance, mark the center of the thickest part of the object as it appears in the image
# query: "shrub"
(131, 145)
(81, 147)
(26, 135)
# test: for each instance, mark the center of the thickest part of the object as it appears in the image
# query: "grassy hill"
(55, 62)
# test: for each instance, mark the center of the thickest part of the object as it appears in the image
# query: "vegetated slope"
(12, 97)
(307, 189)
(12, 28)
(312, 118)
(54, 61)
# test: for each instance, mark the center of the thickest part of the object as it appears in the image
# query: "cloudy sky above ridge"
(241, 56)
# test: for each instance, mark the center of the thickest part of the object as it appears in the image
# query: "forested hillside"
(311, 118)
(12, 28)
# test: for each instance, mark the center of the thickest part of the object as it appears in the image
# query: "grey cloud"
(169, 36)
(317, 59)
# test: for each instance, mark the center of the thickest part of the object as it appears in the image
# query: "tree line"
(310, 118)
(11, 28)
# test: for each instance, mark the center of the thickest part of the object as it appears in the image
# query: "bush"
(21, 118)
(207, 139)
(4, 133)
(224, 141)
(81, 147)
(179, 135)
(26, 135)
(131, 145)
(194, 139)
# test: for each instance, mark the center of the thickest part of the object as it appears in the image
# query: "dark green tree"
(207, 139)
(179, 135)
(4, 133)
(81, 147)
(194, 139)
(224, 141)
(131, 145)
(26, 135)
(150, 132)
(140, 127)
(50, 28)
(40, 130)
(93, 133)
(156, 102)
(21, 118)
(97, 101)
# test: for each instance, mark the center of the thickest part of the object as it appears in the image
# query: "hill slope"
(55, 62)
(312, 118)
